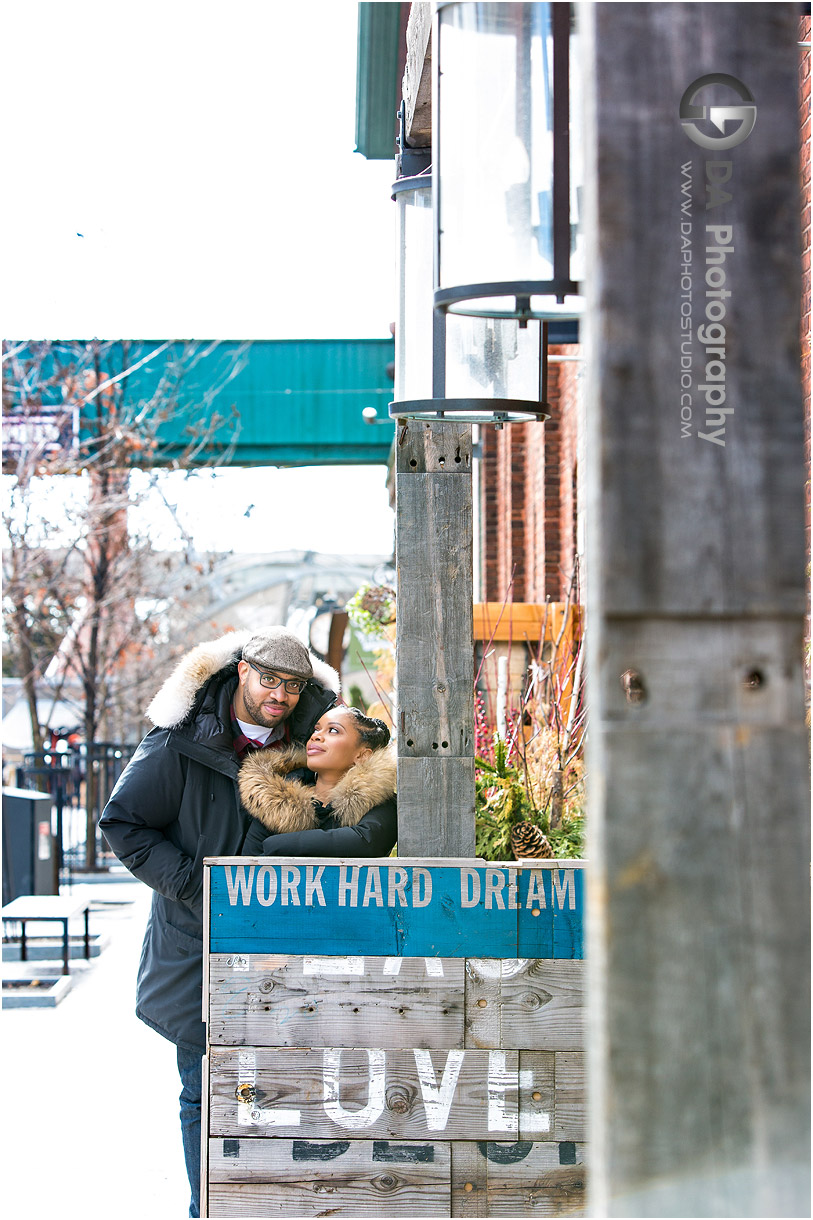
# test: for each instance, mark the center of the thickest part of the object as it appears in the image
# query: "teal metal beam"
(265, 403)
(298, 403)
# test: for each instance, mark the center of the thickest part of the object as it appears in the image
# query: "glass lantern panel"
(413, 328)
(577, 255)
(495, 143)
(492, 358)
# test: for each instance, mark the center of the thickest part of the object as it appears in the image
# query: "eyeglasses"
(293, 686)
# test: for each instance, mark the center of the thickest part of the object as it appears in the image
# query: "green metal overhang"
(299, 403)
(378, 78)
(273, 402)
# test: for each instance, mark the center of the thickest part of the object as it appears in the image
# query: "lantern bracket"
(448, 300)
(496, 411)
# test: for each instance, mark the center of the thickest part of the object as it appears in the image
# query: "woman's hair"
(373, 733)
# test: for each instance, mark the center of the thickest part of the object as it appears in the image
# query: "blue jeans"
(190, 1065)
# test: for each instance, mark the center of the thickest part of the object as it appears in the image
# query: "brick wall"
(528, 503)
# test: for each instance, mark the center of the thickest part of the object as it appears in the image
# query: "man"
(178, 801)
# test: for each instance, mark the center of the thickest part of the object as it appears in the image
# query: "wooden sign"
(364, 1060)
(397, 907)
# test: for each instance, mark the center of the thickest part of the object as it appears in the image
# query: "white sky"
(205, 153)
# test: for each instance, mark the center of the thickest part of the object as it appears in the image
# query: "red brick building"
(529, 522)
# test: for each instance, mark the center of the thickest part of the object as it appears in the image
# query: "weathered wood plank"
(282, 1000)
(538, 1004)
(570, 1106)
(469, 1180)
(279, 1000)
(519, 1179)
(483, 1006)
(417, 85)
(394, 1094)
(261, 1159)
(407, 909)
(282, 1177)
(364, 1177)
(204, 1126)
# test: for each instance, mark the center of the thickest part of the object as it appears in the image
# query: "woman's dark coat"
(359, 820)
(178, 801)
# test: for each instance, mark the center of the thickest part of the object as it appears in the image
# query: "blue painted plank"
(358, 908)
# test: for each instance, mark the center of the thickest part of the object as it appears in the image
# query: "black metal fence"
(64, 775)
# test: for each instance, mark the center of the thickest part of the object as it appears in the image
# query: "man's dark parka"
(178, 801)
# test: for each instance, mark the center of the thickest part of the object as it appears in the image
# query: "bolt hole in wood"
(410, 742)
(754, 679)
(632, 683)
(413, 462)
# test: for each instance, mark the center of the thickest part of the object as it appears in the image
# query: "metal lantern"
(415, 313)
(455, 369)
(504, 208)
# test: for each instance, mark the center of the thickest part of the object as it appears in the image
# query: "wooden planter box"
(364, 1059)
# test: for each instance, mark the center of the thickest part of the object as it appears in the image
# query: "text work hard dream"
(375, 885)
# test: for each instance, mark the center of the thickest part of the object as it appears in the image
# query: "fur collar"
(284, 805)
(176, 698)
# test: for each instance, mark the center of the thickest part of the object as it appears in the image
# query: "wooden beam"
(434, 643)
(699, 928)
(418, 77)
(526, 621)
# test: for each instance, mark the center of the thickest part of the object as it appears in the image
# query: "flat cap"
(279, 650)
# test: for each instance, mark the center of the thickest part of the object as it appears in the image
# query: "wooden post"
(698, 908)
(434, 640)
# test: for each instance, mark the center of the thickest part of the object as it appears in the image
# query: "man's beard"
(258, 716)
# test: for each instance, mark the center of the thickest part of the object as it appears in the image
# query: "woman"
(334, 798)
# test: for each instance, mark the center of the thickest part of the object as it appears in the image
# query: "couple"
(252, 754)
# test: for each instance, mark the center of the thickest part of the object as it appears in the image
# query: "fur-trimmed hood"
(285, 805)
(176, 698)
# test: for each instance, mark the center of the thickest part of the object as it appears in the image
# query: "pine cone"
(528, 841)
